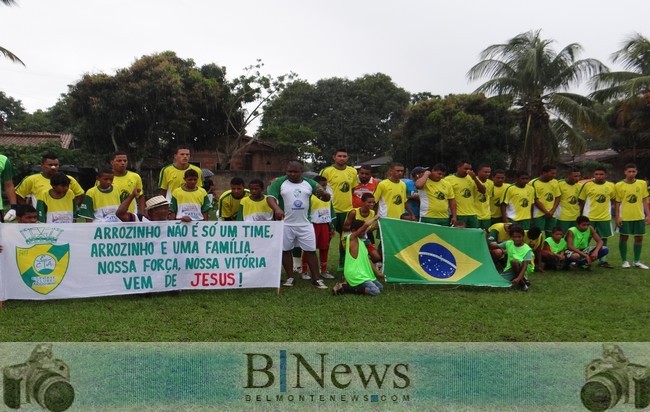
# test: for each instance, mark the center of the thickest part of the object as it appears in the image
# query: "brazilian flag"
(424, 253)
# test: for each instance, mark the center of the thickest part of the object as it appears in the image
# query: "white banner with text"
(58, 261)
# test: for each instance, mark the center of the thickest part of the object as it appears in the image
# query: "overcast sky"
(423, 45)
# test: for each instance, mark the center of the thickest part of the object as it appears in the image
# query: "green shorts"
(471, 221)
(603, 228)
(566, 224)
(509, 275)
(524, 224)
(546, 224)
(340, 221)
(435, 221)
(484, 223)
(496, 220)
(632, 228)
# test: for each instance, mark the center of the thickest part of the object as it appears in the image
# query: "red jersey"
(362, 188)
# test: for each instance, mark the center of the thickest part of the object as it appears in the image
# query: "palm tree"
(635, 81)
(632, 86)
(536, 78)
(4, 51)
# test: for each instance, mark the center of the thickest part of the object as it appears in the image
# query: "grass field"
(601, 305)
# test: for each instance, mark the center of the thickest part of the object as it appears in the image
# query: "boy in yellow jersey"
(230, 199)
(35, 184)
(254, 208)
(596, 198)
(547, 198)
(499, 186)
(125, 180)
(341, 179)
(190, 202)
(172, 176)
(57, 205)
(101, 201)
(632, 214)
(483, 200)
(322, 217)
(569, 208)
(437, 198)
(517, 202)
(466, 186)
(364, 213)
(391, 194)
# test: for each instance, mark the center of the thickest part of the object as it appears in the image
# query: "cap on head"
(155, 202)
(417, 170)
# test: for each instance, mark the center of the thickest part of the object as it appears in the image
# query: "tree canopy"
(358, 115)
(161, 101)
(445, 130)
(535, 77)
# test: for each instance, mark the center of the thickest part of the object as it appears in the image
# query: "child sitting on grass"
(578, 239)
(554, 250)
(519, 259)
(359, 271)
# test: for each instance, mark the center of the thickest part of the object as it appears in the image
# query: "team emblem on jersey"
(631, 199)
(601, 198)
(549, 197)
(397, 199)
(524, 202)
(482, 198)
(573, 200)
(345, 187)
(466, 193)
(440, 196)
(44, 264)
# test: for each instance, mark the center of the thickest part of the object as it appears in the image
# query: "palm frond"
(9, 55)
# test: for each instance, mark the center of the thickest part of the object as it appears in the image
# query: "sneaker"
(290, 282)
(320, 284)
(606, 265)
(523, 286)
(526, 281)
(327, 275)
(306, 276)
(380, 266)
(337, 289)
(640, 265)
(625, 265)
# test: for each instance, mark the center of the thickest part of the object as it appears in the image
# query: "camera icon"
(41, 379)
(612, 378)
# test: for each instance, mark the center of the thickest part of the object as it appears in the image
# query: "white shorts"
(299, 236)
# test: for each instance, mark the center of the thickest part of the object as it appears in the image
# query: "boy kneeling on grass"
(360, 274)
(519, 257)
(578, 239)
(554, 250)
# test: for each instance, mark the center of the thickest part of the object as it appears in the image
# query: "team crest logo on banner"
(43, 265)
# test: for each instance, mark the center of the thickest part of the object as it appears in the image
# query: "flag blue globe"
(437, 261)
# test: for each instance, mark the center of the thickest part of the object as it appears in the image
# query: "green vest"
(517, 253)
(357, 270)
(580, 239)
(556, 247)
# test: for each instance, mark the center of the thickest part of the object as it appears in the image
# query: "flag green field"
(423, 253)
